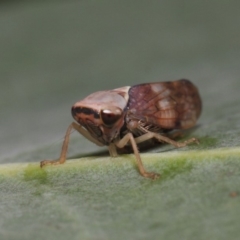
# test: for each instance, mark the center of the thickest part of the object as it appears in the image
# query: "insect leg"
(174, 135)
(162, 138)
(112, 150)
(62, 157)
(129, 138)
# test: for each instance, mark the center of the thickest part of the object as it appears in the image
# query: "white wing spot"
(165, 103)
(157, 88)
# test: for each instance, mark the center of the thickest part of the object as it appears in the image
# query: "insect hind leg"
(161, 138)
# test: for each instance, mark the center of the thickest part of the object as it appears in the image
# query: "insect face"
(102, 113)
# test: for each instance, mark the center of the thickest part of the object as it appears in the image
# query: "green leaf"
(57, 52)
(107, 198)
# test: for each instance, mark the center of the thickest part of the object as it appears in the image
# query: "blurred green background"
(54, 53)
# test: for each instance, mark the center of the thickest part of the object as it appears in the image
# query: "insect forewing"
(168, 105)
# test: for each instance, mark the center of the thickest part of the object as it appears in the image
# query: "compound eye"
(110, 116)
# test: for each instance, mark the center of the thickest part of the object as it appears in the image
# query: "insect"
(133, 115)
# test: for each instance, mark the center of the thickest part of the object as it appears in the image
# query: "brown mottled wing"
(168, 105)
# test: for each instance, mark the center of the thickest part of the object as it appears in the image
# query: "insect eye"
(109, 117)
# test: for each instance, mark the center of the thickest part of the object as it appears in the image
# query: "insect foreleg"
(129, 138)
(62, 157)
(161, 138)
(112, 150)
